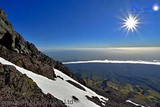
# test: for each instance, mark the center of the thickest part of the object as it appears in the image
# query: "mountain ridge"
(12, 42)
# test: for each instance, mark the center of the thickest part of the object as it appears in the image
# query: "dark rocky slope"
(22, 53)
(17, 90)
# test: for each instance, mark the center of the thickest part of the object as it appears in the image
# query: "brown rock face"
(22, 53)
(28, 62)
(15, 49)
(2, 13)
(17, 90)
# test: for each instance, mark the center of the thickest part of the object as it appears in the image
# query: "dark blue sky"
(79, 23)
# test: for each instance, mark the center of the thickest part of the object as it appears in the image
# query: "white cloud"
(116, 61)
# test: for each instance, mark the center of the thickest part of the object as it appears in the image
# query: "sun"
(130, 23)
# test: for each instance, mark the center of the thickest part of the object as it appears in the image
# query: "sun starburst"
(130, 23)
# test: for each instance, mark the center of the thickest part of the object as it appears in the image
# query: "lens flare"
(130, 23)
(155, 7)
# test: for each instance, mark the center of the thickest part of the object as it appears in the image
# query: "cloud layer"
(115, 62)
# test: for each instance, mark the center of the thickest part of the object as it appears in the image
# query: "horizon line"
(99, 48)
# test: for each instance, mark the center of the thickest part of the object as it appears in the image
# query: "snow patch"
(60, 88)
(129, 101)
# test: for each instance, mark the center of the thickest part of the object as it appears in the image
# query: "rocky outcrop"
(27, 62)
(22, 53)
(17, 90)
(15, 87)
(76, 85)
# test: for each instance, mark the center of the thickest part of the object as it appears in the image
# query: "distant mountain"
(122, 81)
(30, 78)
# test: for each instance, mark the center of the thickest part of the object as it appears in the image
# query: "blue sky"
(80, 23)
